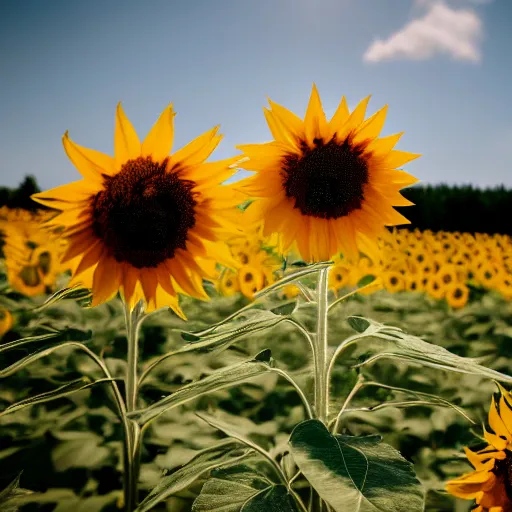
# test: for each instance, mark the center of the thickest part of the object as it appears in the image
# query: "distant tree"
(20, 197)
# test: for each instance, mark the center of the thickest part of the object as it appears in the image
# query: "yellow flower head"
(490, 484)
(32, 252)
(329, 186)
(146, 222)
(6, 321)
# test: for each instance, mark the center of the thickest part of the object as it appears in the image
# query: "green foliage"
(355, 474)
(239, 449)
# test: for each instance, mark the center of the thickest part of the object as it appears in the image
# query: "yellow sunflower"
(457, 295)
(32, 253)
(329, 186)
(144, 222)
(6, 320)
(228, 283)
(490, 483)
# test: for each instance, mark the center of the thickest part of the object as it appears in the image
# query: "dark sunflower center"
(143, 214)
(503, 468)
(30, 276)
(457, 294)
(326, 181)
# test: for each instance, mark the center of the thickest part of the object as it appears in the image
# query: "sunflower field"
(175, 340)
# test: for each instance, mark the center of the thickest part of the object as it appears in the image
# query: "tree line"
(436, 207)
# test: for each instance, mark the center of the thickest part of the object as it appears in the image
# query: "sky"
(444, 67)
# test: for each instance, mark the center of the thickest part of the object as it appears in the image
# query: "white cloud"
(442, 30)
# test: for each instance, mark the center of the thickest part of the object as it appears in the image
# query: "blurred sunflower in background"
(6, 321)
(146, 222)
(329, 186)
(32, 252)
(490, 484)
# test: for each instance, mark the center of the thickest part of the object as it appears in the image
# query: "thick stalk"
(322, 348)
(133, 318)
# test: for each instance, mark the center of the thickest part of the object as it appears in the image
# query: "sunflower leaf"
(254, 321)
(65, 335)
(21, 363)
(355, 473)
(241, 489)
(222, 454)
(75, 293)
(220, 379)
(10, 496)
(412, 348)
(62, 391)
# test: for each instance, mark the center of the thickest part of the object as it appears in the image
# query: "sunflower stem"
(322, 348)
(133, 319)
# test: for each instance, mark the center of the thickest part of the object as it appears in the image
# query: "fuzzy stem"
(322, 348)
(133, 318)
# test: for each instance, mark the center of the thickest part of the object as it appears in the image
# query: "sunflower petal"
(81, 158)
(198, 150)
(106, 280)
(315, 124)
(126, 141)
(159, 140)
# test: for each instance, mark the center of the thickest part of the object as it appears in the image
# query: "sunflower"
(250, 280)
(393, 281)
(146, 223)
(228, 283)
(490, 484)
(6, 320)
(32, 253)
(447, 273)
(329, 186)
(435, 287)
(340, 276)
(457, 295)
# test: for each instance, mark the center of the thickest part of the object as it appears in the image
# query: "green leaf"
(21, 363)
(357, 323)
(355, 474)
(75, 293)
(285, 309)
(412, 348)
(87, 451)
(66, 335)
(225, 336)
(220, 379)
(366, 280)
(234, 433)
(10, 497)
(222, 454)
(240, 489)
(60, 392)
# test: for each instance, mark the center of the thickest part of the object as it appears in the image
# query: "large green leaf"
(355, 474)
(414, 349)
(220, 379)
(222, 454)
(240, 489)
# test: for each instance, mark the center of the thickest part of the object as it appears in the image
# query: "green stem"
(133, 318)
(322, 348)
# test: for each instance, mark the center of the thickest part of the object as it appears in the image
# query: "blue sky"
(444, 68)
